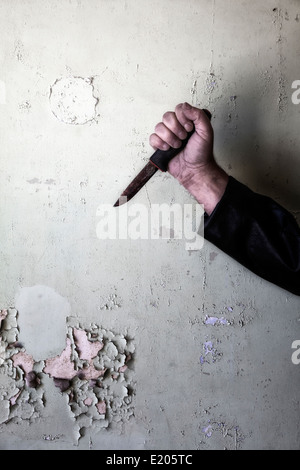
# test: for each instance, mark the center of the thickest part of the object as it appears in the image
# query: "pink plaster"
(91, 373)
(61, 366)
(101, 406)
(88, 401)
(87, 350)
(23, 360)
(14, 399)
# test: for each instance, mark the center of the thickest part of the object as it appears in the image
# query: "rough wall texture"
(140, 344)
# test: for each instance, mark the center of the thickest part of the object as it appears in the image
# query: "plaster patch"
(44, 310)
(72, 100)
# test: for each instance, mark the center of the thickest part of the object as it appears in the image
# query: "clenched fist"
(195, 167)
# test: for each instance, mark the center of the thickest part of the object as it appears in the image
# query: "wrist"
(206, 183)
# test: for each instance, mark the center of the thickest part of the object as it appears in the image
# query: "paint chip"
(210, 353)
(216, 321)
(94, 371)
(21, 397)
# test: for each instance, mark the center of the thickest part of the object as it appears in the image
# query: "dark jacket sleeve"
(258, 233)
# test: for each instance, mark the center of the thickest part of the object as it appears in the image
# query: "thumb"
(200, 118)
(208, 113)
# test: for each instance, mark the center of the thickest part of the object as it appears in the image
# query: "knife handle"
(161, 158)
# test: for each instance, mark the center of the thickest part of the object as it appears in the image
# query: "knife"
(159, 161)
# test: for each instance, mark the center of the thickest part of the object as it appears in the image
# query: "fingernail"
(177, 144)
(187, 106)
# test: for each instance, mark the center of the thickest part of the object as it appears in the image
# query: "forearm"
(207, 185)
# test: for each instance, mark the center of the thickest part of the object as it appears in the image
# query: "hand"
(173, 129)
(195, 167)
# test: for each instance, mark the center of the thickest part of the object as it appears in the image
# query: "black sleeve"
(258, 233)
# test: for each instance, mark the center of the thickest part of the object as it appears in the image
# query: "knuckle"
(198, 113)
(168, 116)
(152, 138)
(178, 107)
(159, 127)
(176, 143)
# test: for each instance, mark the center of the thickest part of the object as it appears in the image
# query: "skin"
(195, 167)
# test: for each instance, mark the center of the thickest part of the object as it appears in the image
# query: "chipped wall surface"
(140, 344)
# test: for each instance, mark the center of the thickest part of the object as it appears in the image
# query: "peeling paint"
(210, 353)
(25, 106)
(112, 302)
(216, 321)
(24, 398)
(94, 371)
(240, 315)
(230, 436)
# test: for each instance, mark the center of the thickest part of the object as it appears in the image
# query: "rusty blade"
(139, 181)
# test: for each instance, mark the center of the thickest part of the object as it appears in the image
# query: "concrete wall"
(140, 344)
